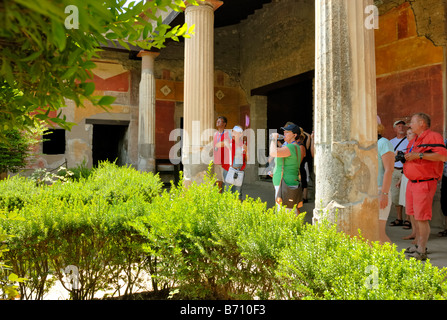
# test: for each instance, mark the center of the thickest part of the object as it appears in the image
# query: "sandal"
(442, 233)
(396, 223)
(406, 225)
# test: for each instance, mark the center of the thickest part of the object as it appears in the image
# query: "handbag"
(289, 196)
(234, 177)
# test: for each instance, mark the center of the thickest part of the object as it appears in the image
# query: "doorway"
(109, 143)
(291, 103)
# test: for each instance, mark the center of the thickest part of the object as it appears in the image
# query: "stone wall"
(430, 17)
(277, 42)
(117, 76)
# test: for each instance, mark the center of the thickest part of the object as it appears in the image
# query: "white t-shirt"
(402, 147)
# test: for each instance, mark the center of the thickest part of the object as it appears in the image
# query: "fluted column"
(199, 91)
(146, 122)
(345, 118)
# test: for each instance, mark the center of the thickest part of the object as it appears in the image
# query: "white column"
(199, 91)
(345, 117)
(146, 123)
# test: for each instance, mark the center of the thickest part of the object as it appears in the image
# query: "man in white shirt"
(399, 143)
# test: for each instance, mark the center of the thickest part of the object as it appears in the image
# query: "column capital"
(148, 58)
(215, 4)
(143, 53)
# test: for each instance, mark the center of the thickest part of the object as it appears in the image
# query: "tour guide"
(424, 162)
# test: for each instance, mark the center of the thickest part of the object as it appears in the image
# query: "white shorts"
(403, 190)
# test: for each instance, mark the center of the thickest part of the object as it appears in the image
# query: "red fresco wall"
(402, 94)
(164, 124)
(409, 71)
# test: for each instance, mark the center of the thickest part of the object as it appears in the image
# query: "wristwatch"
(421, 155)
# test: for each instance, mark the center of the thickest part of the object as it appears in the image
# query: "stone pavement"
(437, 246)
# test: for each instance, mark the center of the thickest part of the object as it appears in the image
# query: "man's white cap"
(399, 121)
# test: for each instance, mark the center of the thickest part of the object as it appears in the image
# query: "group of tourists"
(419, 155)
(288, 156)
(409, 168)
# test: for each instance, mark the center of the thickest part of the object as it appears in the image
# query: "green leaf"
(106, 100)
(124, 44)
(32, 56)
(59, 35)
(182, 30)
(111, 35)
(89, 88)
(6, 71)
(70, 72)
(147, 29)
(89, 65)
(13, 277)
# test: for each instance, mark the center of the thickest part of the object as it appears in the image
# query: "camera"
(280, 137)
(400, 156)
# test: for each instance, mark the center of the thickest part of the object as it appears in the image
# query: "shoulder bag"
(234, 177)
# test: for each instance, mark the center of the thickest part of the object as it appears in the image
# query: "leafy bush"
(8, 279)
(117, 225)
(214, 246)
(78, 224)
(81, 171)
(16, 147)
(16, 191)
(211, 245)
(43, 176)
(325, 264)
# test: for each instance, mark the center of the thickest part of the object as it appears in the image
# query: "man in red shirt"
(221, 150)
(424, 163)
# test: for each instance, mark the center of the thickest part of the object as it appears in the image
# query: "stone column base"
(146, 158)
(352, 218)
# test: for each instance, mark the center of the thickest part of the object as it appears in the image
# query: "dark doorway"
(54, 141)
(292, 103)
(290, 99)
(109, 143)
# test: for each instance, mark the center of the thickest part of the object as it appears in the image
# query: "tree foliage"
(47, 46)
(17, 148)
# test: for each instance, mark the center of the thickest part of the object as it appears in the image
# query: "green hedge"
(325, 264)
(82, 224)
(118, 225)
(214, 246)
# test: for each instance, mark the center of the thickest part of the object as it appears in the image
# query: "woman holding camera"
(288, 156)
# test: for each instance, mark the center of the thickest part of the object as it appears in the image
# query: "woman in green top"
(289, 156)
